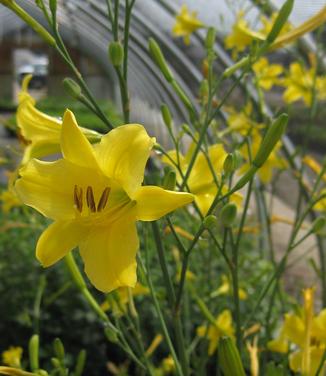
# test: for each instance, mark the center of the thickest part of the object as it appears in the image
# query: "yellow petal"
(57, 240)
(123, 153)
(154, 202)
(109, 254)
(49, 186)
(74, 145)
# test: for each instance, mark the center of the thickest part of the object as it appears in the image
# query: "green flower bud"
(318, 225)
(281, 19)
(203, 90)
(170, 179)
(210, 38)
(33, 349)
(229, 164)
(228, 214)
(80, 364)
(55, 362)
(59, 348)
(229, 358)
(72, 88)
(159, 59)
(210, 222)
(53, 6)
(111, 334)
(116, 53)
(166, 115)
(273, 135)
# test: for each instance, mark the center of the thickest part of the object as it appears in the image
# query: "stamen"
(78, 198)
(104, 199)
(90, 199)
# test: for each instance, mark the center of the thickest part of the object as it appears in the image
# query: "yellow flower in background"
(313, 165)
(12, 357)
(241, 121)
(321, 204)
(186, 23)
(274, 161)
(267, 74)
(267, 24)
(94, 195)
(299, 83)
(123, 298)
(226, 289)
(222, 327)
(9, 197)
(307, 332)
(201, 179)
(40, 132)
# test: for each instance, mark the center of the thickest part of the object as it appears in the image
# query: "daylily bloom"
(12, 356)
(40, 132)
(242, 122)
(265, 173)
(299, 84)
(222, 327)
(94, 195)
(267, 74)
(201, 179)
(307, 332)
(186, 23)
(9, 197)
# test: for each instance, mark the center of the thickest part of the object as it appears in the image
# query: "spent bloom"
(222, 327)
(307, 333)
(201, 181)
(39, 131)
(12, 356)
(186, 23)
(95, 195)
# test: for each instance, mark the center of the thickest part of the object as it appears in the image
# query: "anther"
(104, 199)
(78, 198)
(90, 199)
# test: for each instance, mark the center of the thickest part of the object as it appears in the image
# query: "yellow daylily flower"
(40, 132)
(241, 121)
(308, 333)
(321, 204)
(94, 195)
(268, 22)
(267, 74)
(9, 197)
(12, 357)
(222, 327)
(186, 23)
(265, 173)
(201, 180)
(226, 289)
(299, 84)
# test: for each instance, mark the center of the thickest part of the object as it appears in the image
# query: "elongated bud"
(183, 96)
(111, 334)
(170, 179)
(318, 225)
(229, 164)
(228, 214)
(229, 358)
(80, 364)
(159, 59)
(33, 349)
(116, 53)
(210, 38)
(166, 115)
(53, 6)
(280, 21)
(72, 88)
(59, 348)
(203, 89)
(273, 135)
(55, 362)
(210, 222)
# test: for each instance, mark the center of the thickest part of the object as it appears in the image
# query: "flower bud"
(80, 364)
(210, 38)
(55, 362)
(59, 348)
(33, 349)
(72, 88)
(111, 334)
(210, 222)
(273, 135)
(229, 358)
(159, 59)
(53, 6)
(116, 53)
(281, 19)
(166, 115)
(170, 179)
(229, 164)
(203, 89)
(318, 225)
(228, 214)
